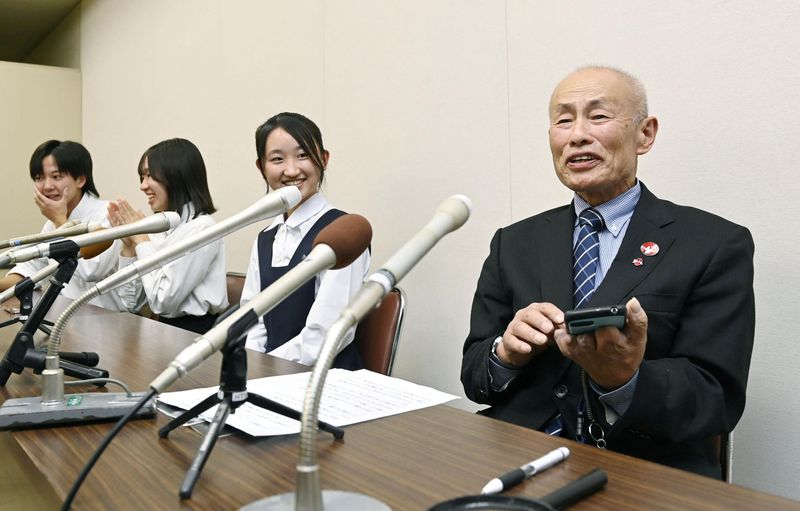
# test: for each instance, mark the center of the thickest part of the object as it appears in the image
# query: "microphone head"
(457, 207)
(173, 218)
(291, 195)
(348, 236)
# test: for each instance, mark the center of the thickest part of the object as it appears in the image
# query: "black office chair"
(723, 444)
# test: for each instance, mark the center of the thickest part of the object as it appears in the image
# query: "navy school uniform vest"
(287, 319)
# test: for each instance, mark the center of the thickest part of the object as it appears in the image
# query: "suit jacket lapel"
(555, 257)
(646, 224)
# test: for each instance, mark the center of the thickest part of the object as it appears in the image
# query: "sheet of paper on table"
(348, 397)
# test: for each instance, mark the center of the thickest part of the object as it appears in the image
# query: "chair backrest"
(378, 333)
(235, 283)
(724, 447)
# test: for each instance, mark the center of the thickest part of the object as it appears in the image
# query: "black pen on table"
(516, 476)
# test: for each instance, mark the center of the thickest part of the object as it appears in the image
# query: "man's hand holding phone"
(610, 355)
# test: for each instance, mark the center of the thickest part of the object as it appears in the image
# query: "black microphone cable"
(101, 448)
(117, 428)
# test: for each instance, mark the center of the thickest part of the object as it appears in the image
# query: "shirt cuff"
(617, 401)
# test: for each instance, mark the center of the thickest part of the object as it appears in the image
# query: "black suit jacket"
(698, 296)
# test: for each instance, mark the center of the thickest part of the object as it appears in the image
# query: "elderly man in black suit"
(674, 377)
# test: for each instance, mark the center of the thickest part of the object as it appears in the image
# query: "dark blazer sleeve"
(491, 313)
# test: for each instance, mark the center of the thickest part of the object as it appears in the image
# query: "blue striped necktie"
(586, 260)
(586, 256)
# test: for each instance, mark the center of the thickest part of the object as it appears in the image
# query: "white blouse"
(193, 284)
(333, 288)
(89, 271)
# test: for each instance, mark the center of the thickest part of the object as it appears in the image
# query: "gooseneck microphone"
(450, 215)
(73, 229)
(336, 246)
(69, 246)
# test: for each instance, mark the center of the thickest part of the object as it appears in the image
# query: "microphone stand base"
(332, 500)
(29, 412)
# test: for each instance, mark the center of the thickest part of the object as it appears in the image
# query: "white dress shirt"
(89, 271)
(193, 284)
(333, 288)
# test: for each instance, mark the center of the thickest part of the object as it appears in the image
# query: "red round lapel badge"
(649, 248)
(638, 261)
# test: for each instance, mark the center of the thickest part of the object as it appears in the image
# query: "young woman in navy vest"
(290, 153)
(189, 292)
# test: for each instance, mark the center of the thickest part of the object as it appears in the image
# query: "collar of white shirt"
(305, 212)
(86, 210)
(187, 212)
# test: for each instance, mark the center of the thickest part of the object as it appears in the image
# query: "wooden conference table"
(409, 461)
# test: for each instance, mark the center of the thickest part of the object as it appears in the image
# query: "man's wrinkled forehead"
(590, 87)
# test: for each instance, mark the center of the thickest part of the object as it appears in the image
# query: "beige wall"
(422, 99)
(37, 103)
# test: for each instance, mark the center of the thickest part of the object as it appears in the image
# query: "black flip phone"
(580, 321)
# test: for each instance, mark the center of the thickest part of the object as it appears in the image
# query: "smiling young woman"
(190, 292)
(290, 152)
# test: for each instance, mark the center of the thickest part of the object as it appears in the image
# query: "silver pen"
(516, 476)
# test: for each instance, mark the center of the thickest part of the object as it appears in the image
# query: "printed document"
(348, 397)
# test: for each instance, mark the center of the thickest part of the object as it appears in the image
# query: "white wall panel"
(416, 107)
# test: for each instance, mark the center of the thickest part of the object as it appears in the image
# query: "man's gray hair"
(639, 94)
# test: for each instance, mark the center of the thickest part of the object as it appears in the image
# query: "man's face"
(595, 138)
(57, 185)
